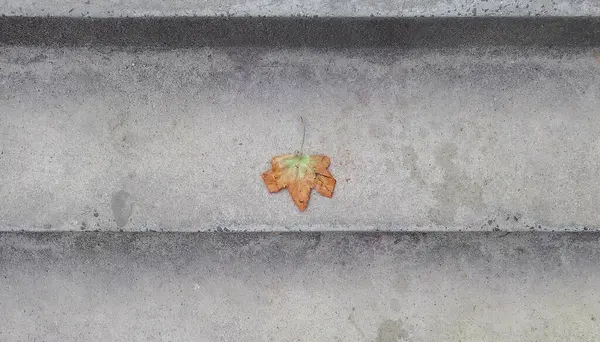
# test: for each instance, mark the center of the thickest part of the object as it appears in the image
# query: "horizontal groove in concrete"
(328, 8)
(178, 32)
(300, 287)
(420, 139)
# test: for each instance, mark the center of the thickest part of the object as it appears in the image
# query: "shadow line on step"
(334, 32)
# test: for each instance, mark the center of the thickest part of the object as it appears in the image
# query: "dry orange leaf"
(299, 173)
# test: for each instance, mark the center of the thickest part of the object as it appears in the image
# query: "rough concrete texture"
(348, 8)
(300, 287)
(481, 139)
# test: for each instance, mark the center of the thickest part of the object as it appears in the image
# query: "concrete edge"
(205, 242)
(334, 32)
(328, 8)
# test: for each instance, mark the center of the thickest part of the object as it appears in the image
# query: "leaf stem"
(303, 136)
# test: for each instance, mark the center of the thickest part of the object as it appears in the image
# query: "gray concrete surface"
(351, 8)
(300, 287)
(139, 140)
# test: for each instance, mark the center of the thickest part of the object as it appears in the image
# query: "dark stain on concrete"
(410, 158)
(457, 189)
(121, 206)
(392, 331)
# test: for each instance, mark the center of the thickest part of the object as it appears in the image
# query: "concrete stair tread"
(420, 139)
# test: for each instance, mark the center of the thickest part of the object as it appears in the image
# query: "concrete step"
(420, 139)
(300, 287)
(163, 123)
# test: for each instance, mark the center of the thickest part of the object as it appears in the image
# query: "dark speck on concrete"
(95, 214)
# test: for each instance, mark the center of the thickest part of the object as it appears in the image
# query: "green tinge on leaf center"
(297, 165)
